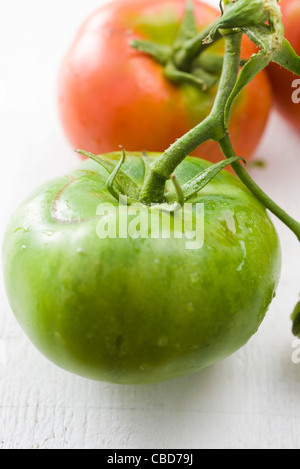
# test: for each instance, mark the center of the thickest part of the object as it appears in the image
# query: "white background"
(250, 400)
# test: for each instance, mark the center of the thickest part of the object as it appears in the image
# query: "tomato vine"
(240, 17)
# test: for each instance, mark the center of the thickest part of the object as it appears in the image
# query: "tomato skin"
(112, 95)
(137, 311)
(281, 79)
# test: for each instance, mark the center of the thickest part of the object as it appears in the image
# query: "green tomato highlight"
(138, 310)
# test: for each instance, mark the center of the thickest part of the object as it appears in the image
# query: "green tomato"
(139, 309)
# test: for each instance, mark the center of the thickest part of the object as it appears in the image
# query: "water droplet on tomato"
(243, 246)
(48, 233)
(194, 277)
(80, 251)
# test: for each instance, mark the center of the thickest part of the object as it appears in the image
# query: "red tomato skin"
(284, 82)
(112, 95)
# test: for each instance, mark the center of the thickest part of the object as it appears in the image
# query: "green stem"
(192, 48)
(161, 170)
(226, 147)
(229, 77)
(212, 128)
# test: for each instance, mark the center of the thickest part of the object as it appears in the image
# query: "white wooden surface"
(250, 400)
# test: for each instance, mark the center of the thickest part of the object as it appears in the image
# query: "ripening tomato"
(111, 94)
(286, 85)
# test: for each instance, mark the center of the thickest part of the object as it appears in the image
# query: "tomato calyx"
(176, 66)
(127, 190)
(119, 184)
(184, 62)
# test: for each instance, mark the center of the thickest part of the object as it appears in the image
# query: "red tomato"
(286, 85)
(111, 94)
